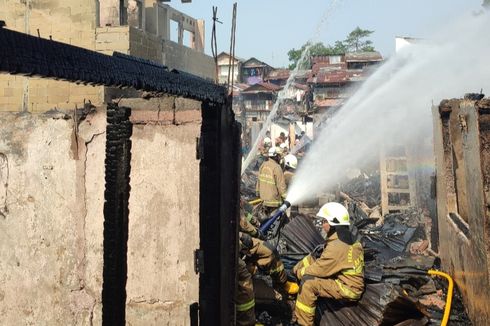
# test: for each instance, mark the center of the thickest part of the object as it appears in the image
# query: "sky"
(268, 29)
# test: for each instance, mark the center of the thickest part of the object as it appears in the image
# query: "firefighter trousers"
(265, 257)
(310, 290)
(245, 300)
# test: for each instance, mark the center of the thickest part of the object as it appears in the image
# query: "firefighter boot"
(291, 287)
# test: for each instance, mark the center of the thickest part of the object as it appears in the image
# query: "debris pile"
(398, 289)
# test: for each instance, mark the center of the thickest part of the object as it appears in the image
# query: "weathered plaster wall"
(164, 211)
(51, 228)
(51, 216)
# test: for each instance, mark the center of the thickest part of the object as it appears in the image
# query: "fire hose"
(280, 211)
(449, 298)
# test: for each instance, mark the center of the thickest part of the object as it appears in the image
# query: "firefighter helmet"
(334, 213)
(291, 161)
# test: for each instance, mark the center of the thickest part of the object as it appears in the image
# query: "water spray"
(393, 105)
(283, 93)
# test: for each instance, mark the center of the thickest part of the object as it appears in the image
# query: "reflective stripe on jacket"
(342, 262)
(271, 185)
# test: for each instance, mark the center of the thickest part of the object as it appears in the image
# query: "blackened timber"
(219, 208)
(33, 56)
(116, 212)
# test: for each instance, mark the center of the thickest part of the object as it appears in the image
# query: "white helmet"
(283, 146)
(272, 151)
(334, 213)
(291, 161)
(267, 141)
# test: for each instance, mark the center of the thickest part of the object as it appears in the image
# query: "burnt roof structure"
(33, 56)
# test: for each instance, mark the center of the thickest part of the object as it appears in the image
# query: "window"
(123, 13)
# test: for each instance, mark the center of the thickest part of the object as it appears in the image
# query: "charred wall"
(461, 140)
(219, 203)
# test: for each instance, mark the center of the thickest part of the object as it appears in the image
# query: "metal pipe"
(449, 298)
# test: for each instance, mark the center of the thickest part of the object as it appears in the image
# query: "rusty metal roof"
(363, 57)
(330, 77)
(278, 74)
(262, 88)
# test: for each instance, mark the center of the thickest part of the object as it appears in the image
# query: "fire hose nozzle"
(284, 206)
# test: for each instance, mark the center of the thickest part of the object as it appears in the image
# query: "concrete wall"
(164, 212)
(75, 22)
(71, 22)
(141, 44)
(51, 216)
(51, 228)
(461, 141)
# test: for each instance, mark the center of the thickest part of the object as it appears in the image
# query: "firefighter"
(245, 298)
(259, 254)
(336, 271)
(290, 165)
(271, 187)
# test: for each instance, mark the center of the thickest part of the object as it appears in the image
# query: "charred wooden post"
(116, 212)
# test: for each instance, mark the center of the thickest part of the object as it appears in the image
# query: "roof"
(238, 88)
(262, 88)
(326, 58)
(278, 74)
(328, 102)
(325, 66)
(222, 54)
(363, 57)
(254, 63)
(301, 86)
(19, 53)
(330, 77)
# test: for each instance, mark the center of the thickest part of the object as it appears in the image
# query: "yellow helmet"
(334, 213)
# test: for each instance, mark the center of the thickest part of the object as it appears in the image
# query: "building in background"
(224, 68)
(255, 71)
(147, 29)
(333, 79)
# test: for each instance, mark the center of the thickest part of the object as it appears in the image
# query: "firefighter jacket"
(288, 176)
(271, 186)
(339, 261)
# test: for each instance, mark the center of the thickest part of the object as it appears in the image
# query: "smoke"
(394, 104)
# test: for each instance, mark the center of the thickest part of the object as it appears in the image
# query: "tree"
(316, 49)
(355, 40)
(354, 43)
(486, 4)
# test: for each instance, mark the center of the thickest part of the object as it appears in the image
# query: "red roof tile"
(262, 87)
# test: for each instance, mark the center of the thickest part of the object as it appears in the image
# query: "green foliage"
(315, 50)
(355, 42)
(486, 4)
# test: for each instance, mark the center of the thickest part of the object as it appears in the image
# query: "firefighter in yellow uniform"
(290, 165)
(271, 186)
(258, 254)
(338, 273)
(245, 298)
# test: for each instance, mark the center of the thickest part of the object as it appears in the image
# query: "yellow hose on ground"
(449, 298)
(255, 201)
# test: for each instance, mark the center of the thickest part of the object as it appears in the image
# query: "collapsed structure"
(461, 142)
